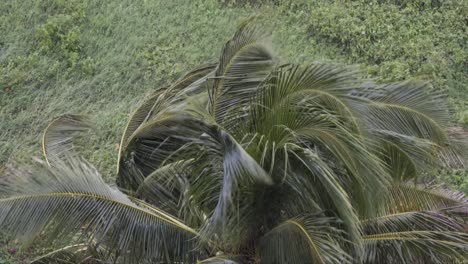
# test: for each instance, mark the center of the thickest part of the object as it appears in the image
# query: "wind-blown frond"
(279, 99)
(410, 221)
(244, 63)
(165, 96)
(333, 190)
(172, 189)
(222, 260)
(408, 198)
(417, 225)
(408, 108)
(77, 253)
(239, 169)
(71, 198)
(156, 109)
(309, 239)
(89, 253)
(407, 157)
(363, 172)
(409, 119)
(57, 138)
(68, 254)
(152, 144)
(140, 116)
(162, 186)
(219, 163)
(311, 106)
(455, 153)
(416, 247)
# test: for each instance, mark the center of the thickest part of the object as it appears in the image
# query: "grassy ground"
(101, 58)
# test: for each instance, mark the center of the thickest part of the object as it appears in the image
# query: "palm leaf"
(157, 106)
(409, 197)
(416, 247)
(221, 167)
(78, 253)
(180, 89)
(418, 225)
(455, 153)
(239, 168)
(69, 254)
(161, 186)
(244, 62)
(185, 86)
(222, 259)
(57, 138)
(309, 239)
(169, 188)
(408, 108)
(407, 157)
(332, 189)
(291, 93)
(311, 106)
(151, 145)
(71, 196)
(410, 221)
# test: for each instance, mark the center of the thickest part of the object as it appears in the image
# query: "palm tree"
(248, 160)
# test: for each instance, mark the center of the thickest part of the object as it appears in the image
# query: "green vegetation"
(250, 160)
(102, 58)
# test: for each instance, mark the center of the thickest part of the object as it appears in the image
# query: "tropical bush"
(396, 40)
(251, 160)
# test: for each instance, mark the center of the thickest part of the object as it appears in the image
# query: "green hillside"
(101, 58)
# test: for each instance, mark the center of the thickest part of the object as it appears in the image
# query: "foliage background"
(101, 58)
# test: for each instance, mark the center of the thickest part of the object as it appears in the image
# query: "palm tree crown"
(249, 160)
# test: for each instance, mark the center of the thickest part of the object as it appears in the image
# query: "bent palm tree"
(252, 161)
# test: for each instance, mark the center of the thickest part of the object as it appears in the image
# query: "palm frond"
(244, 62)
(222, 259)
(363, 173)
(312, 107)
(172, 189)
(163, 185)
(417, 225)
(69, 254)
(455, 153)
(326, 180)
(149, 147)
(407, 157)
(71, 198)
(78, 253)
(307, 239)
(140, 116)
(409, 197)
(162, 101)
(220, 168)
(410, 221)
(416, 247)
(291, 95)
(239, 168)
(408, 108)
(57, 138)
